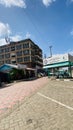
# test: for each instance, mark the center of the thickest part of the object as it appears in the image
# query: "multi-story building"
(21, 52)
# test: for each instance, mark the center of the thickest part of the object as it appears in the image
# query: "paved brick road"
(44, 112)
(15, 93)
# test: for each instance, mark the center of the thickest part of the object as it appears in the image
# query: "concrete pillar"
(70, 71)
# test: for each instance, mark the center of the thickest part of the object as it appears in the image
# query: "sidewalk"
(13, 95)
(49, 108)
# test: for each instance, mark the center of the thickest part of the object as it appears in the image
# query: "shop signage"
(55, 59)
(21, 66)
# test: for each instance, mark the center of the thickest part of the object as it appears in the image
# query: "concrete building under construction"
(21, 52)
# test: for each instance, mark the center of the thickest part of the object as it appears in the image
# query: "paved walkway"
(50, 108)
(15, 93)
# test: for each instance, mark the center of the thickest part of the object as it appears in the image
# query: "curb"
(64, 80)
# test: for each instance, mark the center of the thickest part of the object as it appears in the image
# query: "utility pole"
(45, 56)
(50, 47)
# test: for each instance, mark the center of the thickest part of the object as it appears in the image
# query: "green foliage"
(16, 74)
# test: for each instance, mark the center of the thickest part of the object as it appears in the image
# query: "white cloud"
(6, 34)
(71, 32)
(48, 2)
(2, 41)
(9, 3)
(16, 38)
(68, 2)
(27, 35)
(4, 29)
(71, 0)
(11, 38)
(70, 51)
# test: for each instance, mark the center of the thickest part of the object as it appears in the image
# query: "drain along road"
(48, 106)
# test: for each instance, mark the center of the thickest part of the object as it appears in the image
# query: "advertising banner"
(55, 59)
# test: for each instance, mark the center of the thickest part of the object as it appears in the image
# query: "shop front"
(59, 64)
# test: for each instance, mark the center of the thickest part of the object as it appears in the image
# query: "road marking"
(53, 100)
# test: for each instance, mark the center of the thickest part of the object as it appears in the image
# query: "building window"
(7, 49)
(7, 61)
(12, 48)
(32, 52)
(19, 53)
(18, 47)
(26, 52)
(1, 50)
(7, 55)
(32, 46)
(1, 62)
(19, 60)
(27, 58)
(26, 45)
(1, 56)
(13, 62)
(33, 59)
(13, 56)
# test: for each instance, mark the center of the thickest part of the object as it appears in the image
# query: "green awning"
(61, 64)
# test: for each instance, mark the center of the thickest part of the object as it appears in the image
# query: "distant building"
(22, 52)
(57, 63)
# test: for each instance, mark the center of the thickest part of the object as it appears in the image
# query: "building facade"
(62, 62)
(22, 52)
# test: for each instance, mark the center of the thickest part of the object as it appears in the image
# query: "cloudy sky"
(46, 22)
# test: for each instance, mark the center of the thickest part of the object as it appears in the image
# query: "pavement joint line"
(53, 100)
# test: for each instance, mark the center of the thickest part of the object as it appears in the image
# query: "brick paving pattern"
(17, 92)
(39, 113)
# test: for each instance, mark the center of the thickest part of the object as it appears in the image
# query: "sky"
(45, 22)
